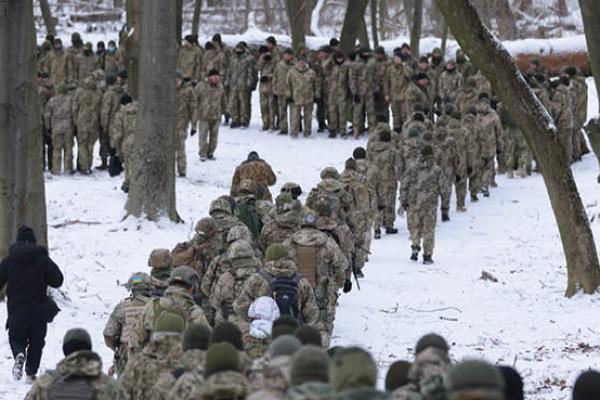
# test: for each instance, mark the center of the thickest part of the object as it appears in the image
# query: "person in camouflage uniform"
(45, 92)
(331, 188)
(467, 96)
(474, 379)
(577, 82)
(189, 59)
(223, 377)
(86, 115)
(396, 83)
(73, 52)
(462, 137)
(285, 220)
(85, 63)
(561, 108)
(446, 154)
(382, 65)
(483, 85)
(186, 109)
(280, 88)
(309, 375)
(321, 63)
(122, 134)
(494, 140)
(354, 375)
(471, 121)
(321, 261)
(362, 88)
(58, 119)
(160, 262)
(177, 300)
(463, 65)
(338, 95)
(268, 106)
(222, 210)
(383, 156)
(121, 320)
(242, 79)
(212, 104)
(302, 91)
(112, 62)
(79, 373)
(213, 58)
(111, 102)
(278, 263)
(58, 65)
(419, 91)
(44, 57)
(258, 171)
(419, 195)
(518, 156)
(162, 354)
(450, 82)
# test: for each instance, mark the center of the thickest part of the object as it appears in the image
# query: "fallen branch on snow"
(435, 310)
(75, 222)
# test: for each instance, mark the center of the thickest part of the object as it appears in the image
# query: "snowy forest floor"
(522, 320)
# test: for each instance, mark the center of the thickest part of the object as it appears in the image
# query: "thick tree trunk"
(47, 17)
(196, 17)
(22, 195)
(132, 46)
(309, 6)
(374, 23)
(496, 64)
(355, 13)
(295, 11)
(363, 34)
(268, 10)
(152, 187)
(590, 11)
(444, 36)
(383, 15)
(179, 21)
(415, 29)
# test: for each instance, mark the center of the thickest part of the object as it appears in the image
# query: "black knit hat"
(284, 325)
(26, 235)
(587, 386)
(217, 38)
(221, 357)
(271, 39)
(309, 335)
(359, 153)
(196, 336)
(432, 340)
(227, 332)
(213, 72)
(76, 339)
(334, 42)
(126, 99)
(397, 375)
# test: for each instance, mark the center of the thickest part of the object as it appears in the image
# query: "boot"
(415, 253)
(103, 166)
(332, 134)
(391, 231)
(377, 233)
(30, 379)
(427, 259)
(360, 274)
(486, 192)
(17, 370)
(474, 198)
(445, 216)
(125, 187)
(510, 174)
(227, 116)
(522, 172)
(461, 209)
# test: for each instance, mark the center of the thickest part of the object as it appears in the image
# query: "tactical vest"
(72, 388)
(133, 312)
(307, 263)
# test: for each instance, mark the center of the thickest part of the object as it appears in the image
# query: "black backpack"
(284, 290)
(72, 388)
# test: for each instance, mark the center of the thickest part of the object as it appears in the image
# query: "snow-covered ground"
(523, 319)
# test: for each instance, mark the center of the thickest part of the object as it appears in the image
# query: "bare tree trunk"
(132, 46)
(363, 34)
(152, 188)
(590, 13)
(355, 13)
(309, 6)
(444, 37)
(47, 17)
(383, 15)
(496, 64)
(196, 17)
(269, 19)
(295, 11)
(507, 25)
(22, 195)
(415, 30)
(374, 23)
(179, 21)
(561, 8)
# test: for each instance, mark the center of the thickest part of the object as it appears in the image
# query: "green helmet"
(222, 204)
(240, 249)
(330, 173)
(160, 259)
(184, 275)
(286, 345)
(276, 251)
(475, 376)
(353, 368)
(309, 364)
(206, 227)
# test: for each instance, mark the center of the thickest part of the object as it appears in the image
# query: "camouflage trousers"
(62, 142)
(382, 107)
(208, 136)
(398, 113)
(85, 147)
(181, 158)
(302, 111)
(447, 181)
(518, 155)
(365, 106)
(476, 179)
(421, 226)
(338, 109)
(359, 225)
(489, 172)
(322, 111)
(386, 204)
(239, 109)
(268, 109)
(104, 143)
(282, 113)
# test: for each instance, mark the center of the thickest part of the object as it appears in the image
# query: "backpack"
(246, 212)
(284, 290)
(162, 310)
(72, 388)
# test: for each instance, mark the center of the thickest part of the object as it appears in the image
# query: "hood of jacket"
(81, 363)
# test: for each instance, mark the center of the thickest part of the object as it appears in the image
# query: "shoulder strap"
(267, 276)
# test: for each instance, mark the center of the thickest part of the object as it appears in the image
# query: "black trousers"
(27, 335)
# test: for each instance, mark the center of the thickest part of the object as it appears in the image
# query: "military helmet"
(292, 188)
(206, 227)
(239, 232)
(184, 275)
(222, 357)
(286, 345)
(432, 340)
(277, 251)
(241, 249)
(139, 281)
(474, 375)
(283, 202)
(223, 204)
(88, 46)
(160, 258)
(330, 172)
(427, 151)
(309, 364)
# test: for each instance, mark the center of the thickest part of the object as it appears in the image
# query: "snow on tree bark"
(152, 187)
(486, 52)
(22, 195)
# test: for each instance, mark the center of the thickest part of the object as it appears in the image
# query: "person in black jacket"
(27, 272)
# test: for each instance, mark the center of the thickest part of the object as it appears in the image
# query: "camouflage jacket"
(337, 84)
(258, 171)
(381, 73)
(214, 59)
(241, 74)
(383, 157)
(276, 380)
(422, 186)
(59, 113)
(111, 101)
(302, 85)
(266, 67)
(84, 364)
(123, 130)
(189, 62)
(197, 253)
(491, 127)
(257, 286)
(225, 385)
(450, 84)
(86, 108)
(476, 136)
(187, 107)
(338, 198)
(462, 139)
(417, 95)
(581, 91)
(162, 354)
(58, 67)
(467, 96)
(446, 155)
(281, 226)
(112, 63)
(561, 108)
(396, 82)
(361, 394)
(280, 73)
(310, 391)
(362, 79)
(191, 360)
(212, 102)
(84, 66)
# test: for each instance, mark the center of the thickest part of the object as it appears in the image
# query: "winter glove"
(458, 178)
(289, 100)
(192, 132)
(356, 98)
(469, 170)
(347, 286)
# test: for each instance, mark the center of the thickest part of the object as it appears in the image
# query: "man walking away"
(27, 272)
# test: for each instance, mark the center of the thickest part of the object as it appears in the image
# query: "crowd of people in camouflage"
(246, 308)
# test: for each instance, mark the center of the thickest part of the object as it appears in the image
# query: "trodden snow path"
(523, 317)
